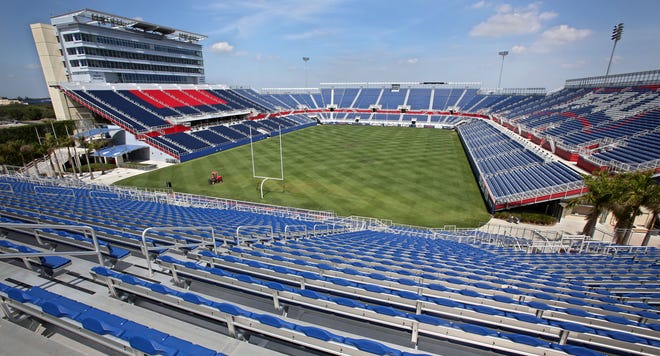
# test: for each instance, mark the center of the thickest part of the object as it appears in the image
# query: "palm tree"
(26, 150)
(97, 145)
(654, 206)
(634, 190)
(68, 141)
(51, 146)
(84, 143)
(598, 196)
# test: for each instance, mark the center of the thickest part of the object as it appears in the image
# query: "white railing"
(146, 248)
(35, 227)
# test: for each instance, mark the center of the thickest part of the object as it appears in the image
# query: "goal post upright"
(281, 157)
(264, 178)
(252, 154)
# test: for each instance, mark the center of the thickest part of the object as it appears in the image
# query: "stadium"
(116, 269)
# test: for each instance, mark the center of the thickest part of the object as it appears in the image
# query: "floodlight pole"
(503, 54)
(305, 59)
(616, 36)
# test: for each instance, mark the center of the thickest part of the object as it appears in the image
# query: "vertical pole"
(38, 137)
(53, 128)
(610, 62)
(252, 153)
(499, 81)
(305, 59)
(616, 36)
(281, 156)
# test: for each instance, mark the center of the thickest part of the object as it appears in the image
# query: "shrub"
(530, 218)
(96, 167)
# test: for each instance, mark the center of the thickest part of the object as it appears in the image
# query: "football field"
(410, 176)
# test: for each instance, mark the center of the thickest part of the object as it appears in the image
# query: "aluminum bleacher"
(344, 98)
(590, 121)
(341, 291)
(391, 99)
(261, 100)
(509, 173)
(419, 99)
(366, 97)
(96, 105)
(116, 333)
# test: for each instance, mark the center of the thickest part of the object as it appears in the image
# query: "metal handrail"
(286, 229)
(238, 229)
(145, 249)
(97, 250)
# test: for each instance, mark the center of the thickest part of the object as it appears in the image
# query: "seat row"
(408, 293)
(236, 317)
(117, 333)
(465, 331)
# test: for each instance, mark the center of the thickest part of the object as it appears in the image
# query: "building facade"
(89, 46)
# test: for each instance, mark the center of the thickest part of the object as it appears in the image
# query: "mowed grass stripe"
(410, 176)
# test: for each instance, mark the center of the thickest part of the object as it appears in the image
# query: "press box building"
(89, 46)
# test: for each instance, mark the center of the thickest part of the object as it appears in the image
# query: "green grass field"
(410, 176)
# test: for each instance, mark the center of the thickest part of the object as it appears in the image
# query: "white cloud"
(222, 47)
(32, 66)
(262, 58)
(479, 5)
(559, 36)
(577, 64)
(271, 14)
(508, 20)
(518, 49)
(305, 35)
(616, 59)
(408, 61)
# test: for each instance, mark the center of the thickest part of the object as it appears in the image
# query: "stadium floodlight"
(305, 59)
(503, 54)
(616, 36)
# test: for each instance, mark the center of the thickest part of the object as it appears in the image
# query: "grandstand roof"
(118, 150)
(98, 18)
(94, 132)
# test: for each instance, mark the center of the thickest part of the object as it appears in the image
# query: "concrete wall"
(48, 49)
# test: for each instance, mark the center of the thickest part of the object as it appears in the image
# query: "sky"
(261, 43)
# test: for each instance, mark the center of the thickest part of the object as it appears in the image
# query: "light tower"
(305, 59)
(616, 36)
(503, 54)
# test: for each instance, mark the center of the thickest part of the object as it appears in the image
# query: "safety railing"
(145, 248)
(257, 234)
(35, 227)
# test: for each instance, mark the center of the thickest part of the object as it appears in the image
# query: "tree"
(85, 144)
(25, 150)
(51, 144)
(97, 145)
(635, 189)
(598, 196)
(653, 204)
(624, 194)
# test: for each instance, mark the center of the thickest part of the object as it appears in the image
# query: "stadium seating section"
(323, 288)
(596, 128)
